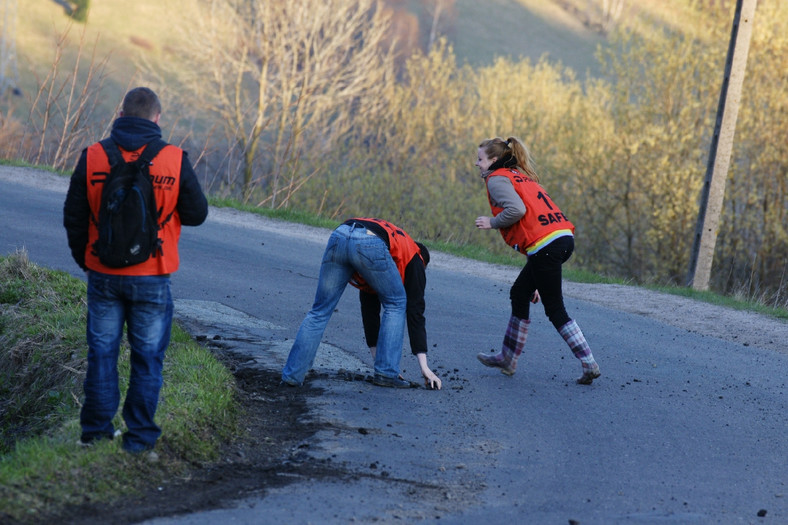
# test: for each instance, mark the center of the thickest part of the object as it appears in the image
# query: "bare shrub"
(285, 80)
(61, 120)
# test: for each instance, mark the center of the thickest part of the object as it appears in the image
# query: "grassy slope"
(480, 32)
(42, 365)
(114, 31)
(522, 29)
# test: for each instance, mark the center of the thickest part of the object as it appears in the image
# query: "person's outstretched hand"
(431, 381)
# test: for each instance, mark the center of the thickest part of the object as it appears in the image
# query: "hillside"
(522, 29)
(566, 31)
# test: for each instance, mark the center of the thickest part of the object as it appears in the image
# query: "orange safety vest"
(165, 171)
(543, 221)
(401, 246)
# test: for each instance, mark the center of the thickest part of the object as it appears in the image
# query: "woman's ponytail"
(523, 157)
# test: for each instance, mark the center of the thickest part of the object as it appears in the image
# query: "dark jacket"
(130, 133)
(415, 282)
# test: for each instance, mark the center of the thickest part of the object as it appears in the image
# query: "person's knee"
(557, 315)
(520, 301)
(521, 309)
(394, 300)
(397, 304)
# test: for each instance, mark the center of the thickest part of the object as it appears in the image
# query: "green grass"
(42, 364)
(745, 304)
(24, 164)
(286, 214)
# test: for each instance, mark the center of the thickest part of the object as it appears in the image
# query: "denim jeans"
(352, 249)
(144, 305)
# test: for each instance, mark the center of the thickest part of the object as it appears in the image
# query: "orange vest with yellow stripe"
(401, 246)
(165, 172)
(543, 221)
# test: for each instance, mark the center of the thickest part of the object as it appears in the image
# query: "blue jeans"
(352, 249)
(144, 305)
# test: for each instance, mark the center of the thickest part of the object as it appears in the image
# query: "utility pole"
(721, 146)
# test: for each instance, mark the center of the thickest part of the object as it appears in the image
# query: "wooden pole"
(721, 147)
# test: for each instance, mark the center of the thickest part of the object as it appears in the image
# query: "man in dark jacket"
(137, 295)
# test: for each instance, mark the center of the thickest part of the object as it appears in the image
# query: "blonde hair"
(514, 148)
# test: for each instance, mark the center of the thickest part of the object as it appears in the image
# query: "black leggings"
(543, 272)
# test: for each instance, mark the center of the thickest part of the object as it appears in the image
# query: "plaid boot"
(513, 344)
(579, 346)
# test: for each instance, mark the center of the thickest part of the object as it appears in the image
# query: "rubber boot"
(512, 347)
(579, 346)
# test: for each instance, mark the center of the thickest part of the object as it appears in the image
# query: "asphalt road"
(681, 428)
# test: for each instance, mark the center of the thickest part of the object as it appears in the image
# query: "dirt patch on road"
(270, 453)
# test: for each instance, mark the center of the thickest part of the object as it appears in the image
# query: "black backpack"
(128, 219)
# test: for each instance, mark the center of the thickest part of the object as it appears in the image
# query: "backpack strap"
(113, 152)
(151, 150)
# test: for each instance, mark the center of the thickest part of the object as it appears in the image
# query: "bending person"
(381, 258)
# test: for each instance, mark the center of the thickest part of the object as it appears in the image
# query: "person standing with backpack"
(531, 223)
(129, 289)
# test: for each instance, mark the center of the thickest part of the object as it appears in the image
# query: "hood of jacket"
(131, 133)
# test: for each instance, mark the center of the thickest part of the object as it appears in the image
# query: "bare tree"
(611, 12)
(600, 15)
(439, 10)
(286, 79)
(62, 110)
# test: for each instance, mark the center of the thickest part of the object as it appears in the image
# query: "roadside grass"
(42, 365)
(739, 301)
(19, 163)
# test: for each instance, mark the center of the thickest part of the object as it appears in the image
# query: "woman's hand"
(431, 381)
(483, 223)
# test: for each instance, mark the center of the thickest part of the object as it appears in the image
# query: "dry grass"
(115, 26)
(40, 316)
